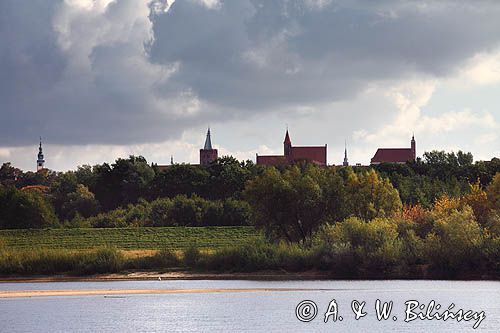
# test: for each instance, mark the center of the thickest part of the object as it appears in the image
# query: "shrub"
(159, 214)
(104, 260)
(259, 255)
(374, 247)
(164, 258)
(455, 242)
(191, 256)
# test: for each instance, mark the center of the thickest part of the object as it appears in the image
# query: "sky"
(103, 79)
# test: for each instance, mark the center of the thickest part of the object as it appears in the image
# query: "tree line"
(125, 192)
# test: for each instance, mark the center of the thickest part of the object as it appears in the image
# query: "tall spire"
(346, 161)
(40, 161)
(208, 141)
(413, 146)
(287, 144)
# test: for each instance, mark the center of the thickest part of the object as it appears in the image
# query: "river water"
(254, 310)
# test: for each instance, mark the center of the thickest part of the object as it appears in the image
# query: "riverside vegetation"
(438, 217)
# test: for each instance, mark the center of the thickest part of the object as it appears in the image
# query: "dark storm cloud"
(314, 54)
(80, 76)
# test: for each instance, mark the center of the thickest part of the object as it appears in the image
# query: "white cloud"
(482, 69)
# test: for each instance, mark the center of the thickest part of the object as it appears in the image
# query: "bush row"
(178, 211)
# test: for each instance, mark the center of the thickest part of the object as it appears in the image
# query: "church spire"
(208, 141)
(208, 154)
(346, 161)
(40, 161)
(287, 144)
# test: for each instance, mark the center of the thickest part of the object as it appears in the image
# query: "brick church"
(207, 153)
(313, 154)
(396, 155)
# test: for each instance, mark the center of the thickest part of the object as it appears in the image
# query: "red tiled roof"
(392, 155)
(271, 160)
(313, 154)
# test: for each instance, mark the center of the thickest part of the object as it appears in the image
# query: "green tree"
(455, 242)
(290, 205)
(25, 209)
(81, 202)
(370, 196)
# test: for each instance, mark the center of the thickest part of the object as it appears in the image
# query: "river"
(250, 306)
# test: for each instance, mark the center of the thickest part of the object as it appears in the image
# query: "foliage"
(494, 192)
(25, 209)
(455, 242)
(370, 247)
(293, 204)
(258, 255)
(43, 261)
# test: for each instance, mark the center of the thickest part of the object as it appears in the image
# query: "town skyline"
(102, 79)
(212, 151)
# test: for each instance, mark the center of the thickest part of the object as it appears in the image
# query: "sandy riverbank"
(177, 275)
(123, 292)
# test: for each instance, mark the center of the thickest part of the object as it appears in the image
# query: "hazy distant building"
(396, 155)
(40, 162)
(313, 154)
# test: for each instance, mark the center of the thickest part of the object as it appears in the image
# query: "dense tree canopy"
(302, 194)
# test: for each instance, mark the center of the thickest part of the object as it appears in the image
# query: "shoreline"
(188, 275)
(116, 293)
(174, 275)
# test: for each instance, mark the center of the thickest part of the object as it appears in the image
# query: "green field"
(174, 238)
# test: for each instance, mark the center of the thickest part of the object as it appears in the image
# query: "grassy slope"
(127, 238)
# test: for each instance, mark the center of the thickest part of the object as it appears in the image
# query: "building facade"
(396, 155)
(291, 154)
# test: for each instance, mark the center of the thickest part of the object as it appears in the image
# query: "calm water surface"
(272, 311)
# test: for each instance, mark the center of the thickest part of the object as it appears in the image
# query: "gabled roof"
(271, 160)
(310, 153)
(392, 155)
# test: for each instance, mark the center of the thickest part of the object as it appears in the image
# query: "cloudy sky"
(101, 79)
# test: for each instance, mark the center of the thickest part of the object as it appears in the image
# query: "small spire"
(171, 159)
(208, 141)
(287, 137)
(346, 161)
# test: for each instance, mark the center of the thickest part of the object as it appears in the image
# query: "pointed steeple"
(208, 154)
(346, 161)
(287, 138)
(171, 159)
(208, 141)
(287, 144)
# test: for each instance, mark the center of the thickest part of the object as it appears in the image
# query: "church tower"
(413, 147)
(40, 161)
(346, 162)
(208, 154)
(287, 145)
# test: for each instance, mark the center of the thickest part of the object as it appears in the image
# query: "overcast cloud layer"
(133, 73)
